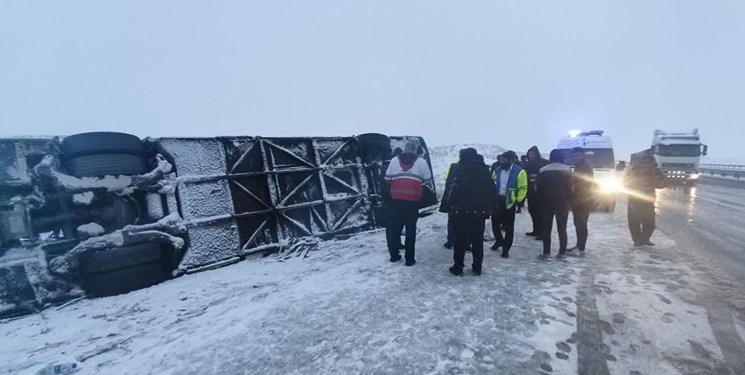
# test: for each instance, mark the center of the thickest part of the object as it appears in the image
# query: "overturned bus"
(105, 213)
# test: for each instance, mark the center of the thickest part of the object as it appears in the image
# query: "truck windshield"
(597, 157)
(679, 150)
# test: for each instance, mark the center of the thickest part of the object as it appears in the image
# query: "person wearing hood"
(511, 185)
(554, 191)
(406, 175)
(471, 200)
(533, 166)
(642, 179)
(445, 204)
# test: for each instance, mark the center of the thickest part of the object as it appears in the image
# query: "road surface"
(710, 219)
(708, 225)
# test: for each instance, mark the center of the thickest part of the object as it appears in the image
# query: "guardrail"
(723, 170)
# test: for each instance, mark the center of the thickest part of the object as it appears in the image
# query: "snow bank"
(443, 156)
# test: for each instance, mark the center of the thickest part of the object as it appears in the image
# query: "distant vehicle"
(599, 152)
(678, 155)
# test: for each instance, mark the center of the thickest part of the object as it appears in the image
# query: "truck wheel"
(123, 280)
(106, 164)
(123, 269)
(102, 143)
(121, 257)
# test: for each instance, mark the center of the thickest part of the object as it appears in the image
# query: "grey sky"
(514, 73)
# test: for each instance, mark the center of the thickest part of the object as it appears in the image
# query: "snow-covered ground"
(344, 309)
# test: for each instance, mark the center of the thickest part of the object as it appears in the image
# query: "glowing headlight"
(610, 185)
(695, 176)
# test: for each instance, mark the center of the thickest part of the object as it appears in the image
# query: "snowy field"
(344, 309)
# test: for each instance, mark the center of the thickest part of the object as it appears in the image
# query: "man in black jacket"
(445, 204)
(471, 201)
(533, 165)
(554, 191)
(642, 179)
(583, 197)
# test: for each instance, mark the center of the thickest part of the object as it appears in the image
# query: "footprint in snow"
(563, 347)
(668, 318)
(603, 289)
(573, 339)
(663, 299)
(607, 328)
(619, 318)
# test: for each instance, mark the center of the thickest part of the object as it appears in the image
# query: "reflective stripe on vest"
(406, 189)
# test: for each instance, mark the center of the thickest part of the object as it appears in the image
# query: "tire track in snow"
(592, 360)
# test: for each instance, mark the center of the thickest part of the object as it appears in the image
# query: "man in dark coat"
(642, 179)
(583, 197)
(554, 191)
(445, 204)
(471, 202)
(533, 165)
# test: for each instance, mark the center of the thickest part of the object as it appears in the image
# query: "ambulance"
(599, 152)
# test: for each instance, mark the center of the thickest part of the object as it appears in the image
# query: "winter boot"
(456, 271)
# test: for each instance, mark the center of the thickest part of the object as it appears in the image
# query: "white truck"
(678, 155)
(599, 152)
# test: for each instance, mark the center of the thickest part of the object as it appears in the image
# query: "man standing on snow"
(554, 190)
(471, 201)
(406, 175)
(642, 179)
(532, 167)
(583, 197)
(512, 187)
(445, 203)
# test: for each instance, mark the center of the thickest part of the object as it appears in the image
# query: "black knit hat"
(510, 155)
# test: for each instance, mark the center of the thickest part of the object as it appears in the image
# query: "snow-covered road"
(346, 309)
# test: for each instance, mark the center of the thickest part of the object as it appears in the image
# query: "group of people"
(475, 192)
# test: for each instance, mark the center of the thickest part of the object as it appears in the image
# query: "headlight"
(610, 185)
(695, 176)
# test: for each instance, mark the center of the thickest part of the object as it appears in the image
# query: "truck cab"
(678, 155)
(599, 153)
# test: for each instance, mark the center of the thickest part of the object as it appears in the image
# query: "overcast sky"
(514, 73)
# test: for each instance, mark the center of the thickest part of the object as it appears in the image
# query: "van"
(599, 152)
